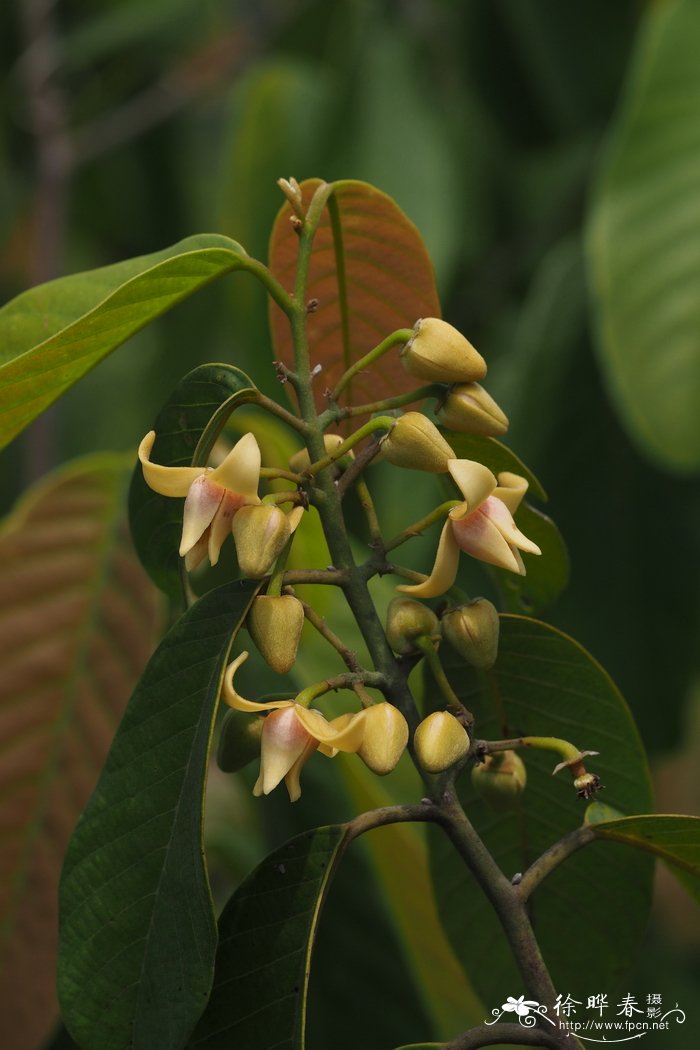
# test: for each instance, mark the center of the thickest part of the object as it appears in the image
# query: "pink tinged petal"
(221, 523)
(240, 471)
(196, 555)
(166, 481)
(201, 505)
(499, 514)
(477, 535)
(291, 781)
(284, 741)
(444, 570)
(344, 733)
(511, 489)
(474, 480)
(239, 703)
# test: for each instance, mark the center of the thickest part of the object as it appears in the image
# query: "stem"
(341, 681)
(376, 818)
(282, 413)
(378, 423)
(367, 504)
(454, 704)
(336, 415)
(553, 857)
(348, 657)
(420, 526)
(489, 1035)
(401, 335)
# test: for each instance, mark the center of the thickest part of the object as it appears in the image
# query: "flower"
(212, 495)
(482, 526)
(291, 734)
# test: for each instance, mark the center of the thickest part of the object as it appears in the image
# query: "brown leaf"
(78, 620)
(386, 282)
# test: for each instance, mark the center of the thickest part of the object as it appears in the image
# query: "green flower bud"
(384, 739)
(406, 622)
(440, 740)
(275, 623)
(260, 534)
(472, 630)
(440, 353)
(417, 443)
(239, 742)
(469, 409)
(500, 779)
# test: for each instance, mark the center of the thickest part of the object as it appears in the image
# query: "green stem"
(282, 413)
(401, 335)
(454, 704)
(274, 289)
(420, 526)
(378, 423)
(336, 415)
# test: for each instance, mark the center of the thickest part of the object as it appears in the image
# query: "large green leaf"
(78, 622)
(138, 936)
(201, 402)
(675, 839)
(52, 335)
(644, 241)
(546, 684)
(266, 935)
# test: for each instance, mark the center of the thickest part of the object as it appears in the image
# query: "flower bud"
(440, 740)
(440, 353)
(301, 460)
(472, 630)
(417, 443)
(406, 622)
(239, 742)
(384, 739)
(500, 779)
(275, 623)
(469, 409)
(260, 534)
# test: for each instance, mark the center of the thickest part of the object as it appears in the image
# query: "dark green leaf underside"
(675, 839)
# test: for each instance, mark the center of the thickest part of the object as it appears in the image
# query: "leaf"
(547, 574)
(138, 936)
(370, 273)
(644, 242)
(78, 622)
(544, 683)
(675, 839)
(199, 405)
(266, 935)
(55, 333)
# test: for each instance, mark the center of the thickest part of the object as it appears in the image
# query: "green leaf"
(545, 684)
(266, 935)
(547, 574)
(494, 455)
(138, 936)
(675, 839)
(78, 622)
(52, 335)
(644, 242)
(197, 409)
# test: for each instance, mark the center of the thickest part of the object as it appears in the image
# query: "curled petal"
(239, 703)
(474, 480)
(444, 570)
(294, 517)
(221, 524)
(344, 733)
(240, 471)
(166, 481)
(499, 513)
(291, 781)
(511, 489)
(476, 534)
(201, 505)
(285, 744)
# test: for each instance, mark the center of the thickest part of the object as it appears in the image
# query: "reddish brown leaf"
(387, 283)
(78, 620)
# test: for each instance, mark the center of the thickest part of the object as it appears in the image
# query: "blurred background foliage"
(549, 154)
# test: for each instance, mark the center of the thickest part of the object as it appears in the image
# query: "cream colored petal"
(444, 570)
(167, 481)
(479, 536)
(294, 517)
(497, 512)
(240, 471)
(202, 503)
(239, 703)
(474, 480)
(344, 733)
(291, 781)
(221, 524)
(284, 741)
(196, 555)
(511, 489)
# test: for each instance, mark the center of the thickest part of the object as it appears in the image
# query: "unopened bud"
(500, 779)
(260, 534)
(469, 409)
(440, 740)
(239, 742)
(275, 623)
(417, 443)
(301, 460)
(406, 622)
(472, 630)
(440, 353)
(385, 737)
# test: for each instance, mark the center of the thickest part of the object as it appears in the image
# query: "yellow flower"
(482, 526)
(291, 734)
(212, 495)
